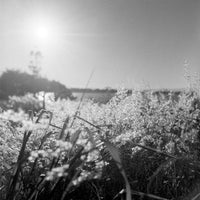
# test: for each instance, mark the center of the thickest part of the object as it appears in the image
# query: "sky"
(123, 42)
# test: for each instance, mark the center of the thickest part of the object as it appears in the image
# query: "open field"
(98, 97)
(103, 96)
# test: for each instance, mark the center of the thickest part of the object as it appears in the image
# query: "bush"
(26, 103)
(16, 83)
(157, 138)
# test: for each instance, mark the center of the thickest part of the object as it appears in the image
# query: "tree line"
(15, 82)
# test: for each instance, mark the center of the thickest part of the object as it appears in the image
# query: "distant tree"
(14, 82)
(35, 62)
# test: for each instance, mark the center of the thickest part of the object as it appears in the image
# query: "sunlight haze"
(125, 42)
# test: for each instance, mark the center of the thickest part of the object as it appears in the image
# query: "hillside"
(13, 82)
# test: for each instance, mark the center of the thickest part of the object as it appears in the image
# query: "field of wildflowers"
(137, 146)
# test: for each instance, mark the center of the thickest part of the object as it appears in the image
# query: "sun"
(43, 33)
(43, 30)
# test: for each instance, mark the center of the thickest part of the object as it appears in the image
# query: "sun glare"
(43, 31)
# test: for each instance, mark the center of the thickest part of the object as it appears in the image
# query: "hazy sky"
(126, 42)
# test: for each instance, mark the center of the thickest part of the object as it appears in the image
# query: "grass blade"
(116, 156)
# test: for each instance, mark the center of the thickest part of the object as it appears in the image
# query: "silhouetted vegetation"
(14, 82)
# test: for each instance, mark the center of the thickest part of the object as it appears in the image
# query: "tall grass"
(135, 146)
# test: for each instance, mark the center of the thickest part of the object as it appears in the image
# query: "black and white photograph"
(99, 99)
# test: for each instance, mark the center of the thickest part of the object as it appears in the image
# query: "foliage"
(16, 83)
(141, 142)
(26, 102)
